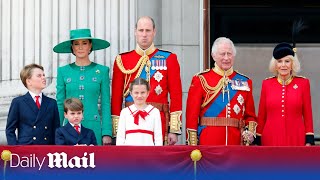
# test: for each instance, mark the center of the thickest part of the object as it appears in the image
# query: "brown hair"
(27, 71)
(72, 104)
(139, 81)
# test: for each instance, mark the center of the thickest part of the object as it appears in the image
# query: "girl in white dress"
(140, 123)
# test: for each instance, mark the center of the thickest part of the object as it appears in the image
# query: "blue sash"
(218, 105)
(160, 55)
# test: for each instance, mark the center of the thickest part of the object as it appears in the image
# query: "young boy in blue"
(34, 115)
(73, 133)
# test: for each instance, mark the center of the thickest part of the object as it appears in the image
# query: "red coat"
(170, 83)
(285, 112)
(218, 135)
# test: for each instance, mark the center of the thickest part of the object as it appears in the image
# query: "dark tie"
(143, 115)
(37, 102)
(77, 128)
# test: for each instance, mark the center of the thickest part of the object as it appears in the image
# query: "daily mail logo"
(55, 160)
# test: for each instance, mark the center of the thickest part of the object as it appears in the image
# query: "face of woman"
(81, 48)
(284, 66)
(139, 94)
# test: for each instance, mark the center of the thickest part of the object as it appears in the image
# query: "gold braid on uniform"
(141, 63)
(252, 127)
(192, 137)
(211, 92)
(115, 122)
(175, 122)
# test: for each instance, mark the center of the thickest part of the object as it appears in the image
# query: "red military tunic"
(285, 112)
(163, 81)
(240, 106)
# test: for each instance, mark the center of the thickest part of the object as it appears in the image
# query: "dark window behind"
(264, 22)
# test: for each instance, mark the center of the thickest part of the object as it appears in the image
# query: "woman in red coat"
(285, 111)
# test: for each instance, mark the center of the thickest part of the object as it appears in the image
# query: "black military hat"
(283, 49)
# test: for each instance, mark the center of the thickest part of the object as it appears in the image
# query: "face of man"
(145, 33)
(224, 57)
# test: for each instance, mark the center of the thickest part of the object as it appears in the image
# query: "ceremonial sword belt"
(222, 121)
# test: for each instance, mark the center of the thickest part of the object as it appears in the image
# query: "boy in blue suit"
(73, 133)
(34, 115)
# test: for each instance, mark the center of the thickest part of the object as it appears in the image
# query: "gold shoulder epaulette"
(301, 77)
(202, 72)
(270, 77)
(241, 74)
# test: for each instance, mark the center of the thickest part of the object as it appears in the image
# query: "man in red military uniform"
(160, 68)
(220, 106)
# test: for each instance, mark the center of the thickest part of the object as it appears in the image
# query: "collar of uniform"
(147, 51)
(286, 82)
(222, 72)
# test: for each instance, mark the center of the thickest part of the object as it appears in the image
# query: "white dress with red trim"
(140, 127)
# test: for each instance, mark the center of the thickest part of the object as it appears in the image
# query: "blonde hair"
(27, 71)
(295, 65)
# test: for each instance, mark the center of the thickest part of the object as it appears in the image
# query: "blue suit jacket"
(67, 135)
(35, 126)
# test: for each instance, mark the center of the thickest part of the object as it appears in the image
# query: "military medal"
(236, 109)
(157, 65)
(153, 66)
(165, 65)
(158, 76)
(161, 65)
(295, 86)
(240, 99)
(240, 85)
(158, 90)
